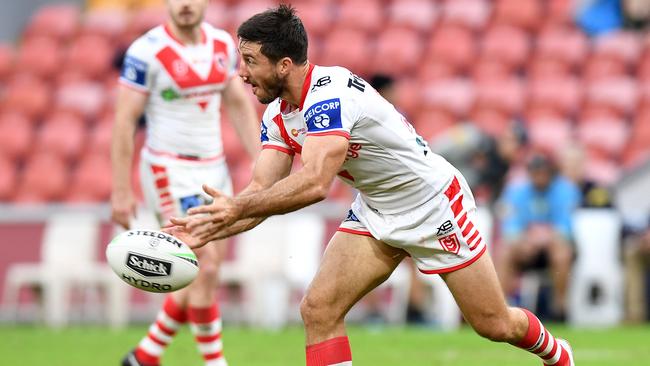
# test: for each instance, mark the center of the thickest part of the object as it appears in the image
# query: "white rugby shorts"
(439, 235)
(173, 184)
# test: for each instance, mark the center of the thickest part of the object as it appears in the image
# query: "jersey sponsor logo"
(324, 115)
(191, 201)
(353, 151)
(445, 228)
(321, 82)
(135, 70)
(169, 94)
(351, 217)
(299, 131)
(450, 243)
(264, 137)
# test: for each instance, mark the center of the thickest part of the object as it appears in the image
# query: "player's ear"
(284, 65)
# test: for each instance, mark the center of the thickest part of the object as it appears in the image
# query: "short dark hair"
(280, 32)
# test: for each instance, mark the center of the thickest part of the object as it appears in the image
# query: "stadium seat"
(59, 20)
(492, 121)
(432, 70)
(600, 67)
(84, 98)
(607, 135)
(403, 47)
(454, 95)
(63, 135)
(431, 121)
(366, 15)
(563, 43)
(100, 136)
(603, 171)
(454, 46)
(543, 67)
(7, 55)
(408, 95)
(91, 180)
(486, 69)
(625, 46)
(243, 10)
(40, 55)
(145, 19)
(643, 69)
(16, 135)
(419, 15)
(563, 93)
(7, 179)
(44, 178)
(507, 44)
(619, 93)
(316, 16)
(638, 147)
(68, 260)
(560, 11)
(90, 54)
(525, 14)
(105, 22)
(506, 95)
(27, 94)
(473, 14)
(348, 48)
(217, 15)
(549, 134)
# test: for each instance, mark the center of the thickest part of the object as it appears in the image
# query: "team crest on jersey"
(220, 61)
(325, 115)
(450, 243)
(180, 68)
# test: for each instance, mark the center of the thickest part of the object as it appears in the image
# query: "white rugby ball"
(151, 260)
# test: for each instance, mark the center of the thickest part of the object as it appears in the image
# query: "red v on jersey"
(183, 73)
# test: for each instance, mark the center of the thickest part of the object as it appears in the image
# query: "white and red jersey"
(391, 166)
(184, 83)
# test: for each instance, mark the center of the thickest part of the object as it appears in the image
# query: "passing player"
(411, 201)
(179, 74)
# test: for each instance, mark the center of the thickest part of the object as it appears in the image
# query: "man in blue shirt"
(536, 228)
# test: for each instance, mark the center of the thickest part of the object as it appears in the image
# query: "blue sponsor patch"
(264, 133)
(323, 116)
(191, 201)
(135, 71)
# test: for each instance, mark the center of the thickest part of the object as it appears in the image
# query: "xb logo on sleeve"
(445, 228)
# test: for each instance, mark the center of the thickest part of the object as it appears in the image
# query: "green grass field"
(31, 346)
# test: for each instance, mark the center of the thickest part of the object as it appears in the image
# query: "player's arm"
(242, 116)
(129, 108)
(271, 166)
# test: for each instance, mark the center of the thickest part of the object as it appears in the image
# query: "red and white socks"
(540, 341)
(206, 327)
(161, 332)
(332, 352)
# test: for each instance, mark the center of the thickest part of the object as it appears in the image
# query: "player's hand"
(181, 233)
(123, 208)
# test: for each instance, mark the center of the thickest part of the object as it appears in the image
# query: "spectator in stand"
(593, 195)
(536, 228)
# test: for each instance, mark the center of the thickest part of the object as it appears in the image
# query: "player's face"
(187, 13)
(260, 72)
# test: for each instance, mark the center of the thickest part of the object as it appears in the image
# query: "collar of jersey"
(172, 36)
(305, 90)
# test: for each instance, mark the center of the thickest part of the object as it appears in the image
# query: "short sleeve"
(271, 136)
(137, 67)
(332, 116)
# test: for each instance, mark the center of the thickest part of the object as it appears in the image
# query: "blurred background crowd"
(543, 105)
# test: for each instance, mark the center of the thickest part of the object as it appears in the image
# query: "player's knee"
(493, 327)
(314, 312)
(208, 272)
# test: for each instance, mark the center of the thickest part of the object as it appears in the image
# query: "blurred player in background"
(178, 74)
(411, 201)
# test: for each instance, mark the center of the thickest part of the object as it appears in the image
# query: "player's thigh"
(352, 265)
(477, 291)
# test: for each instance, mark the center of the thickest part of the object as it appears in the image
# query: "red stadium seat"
(40, 55)
(403, 47)
(560, 11)
(105, 22)
(563, 93)
(506, 95)
(431, 70)
(243, 10)
(625, 46)
(417, 14)
(7, 56)
(85, 98)
(7, 179)
(526, 14)
(603, 171)
(316, 16)
(607, 135)
(367, 15)
(62, 134)
(489, 69)
(430, 122)
(547, 67)
(91, 180)
(60, 20)
(507, 44)
(619, 93)
(638, 148)
(145, 19)
(453, 95)
(600, 67)
(643, 70)
(492, 121)
(564, 43)
(91, 55)
(473, 14)
(16, 135)
(217, 14)
(408, 95)
(28, 95)
(100, 136)
(453, 45)
(44, 178)
(348, 48)
(549, 134)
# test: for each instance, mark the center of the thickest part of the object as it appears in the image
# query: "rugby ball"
(151, 260)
